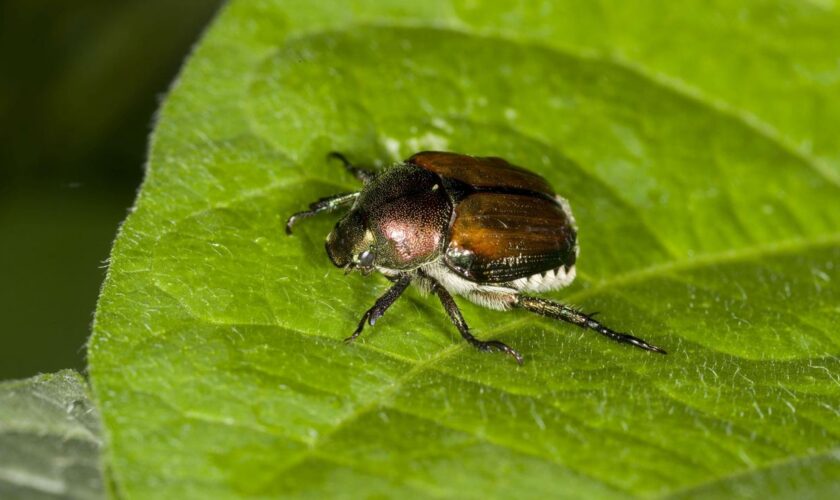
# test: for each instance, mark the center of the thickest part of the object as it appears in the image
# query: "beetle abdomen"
(552, 279)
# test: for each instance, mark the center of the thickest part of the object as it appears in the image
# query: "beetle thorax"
(401, 218)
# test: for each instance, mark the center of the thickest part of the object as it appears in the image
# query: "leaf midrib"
(705, 260)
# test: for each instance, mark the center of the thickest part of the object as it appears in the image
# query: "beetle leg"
(382, 304)
(458, 319)
(362, 174)
(327, 204)
(563, 312)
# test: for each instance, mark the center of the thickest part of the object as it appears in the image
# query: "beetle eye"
(366, 258)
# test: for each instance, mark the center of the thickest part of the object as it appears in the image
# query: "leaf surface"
(709, 225)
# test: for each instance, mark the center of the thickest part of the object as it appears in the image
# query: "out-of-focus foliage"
(79, 83)
(83, 77)
(691, 141)
(49, 439)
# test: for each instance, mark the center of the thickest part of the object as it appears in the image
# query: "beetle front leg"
(362, 174)
(329, 204)
(458, 319)
(563, 312)
(382, 304)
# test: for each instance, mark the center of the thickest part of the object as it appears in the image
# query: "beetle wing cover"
(497, 237)
(481, 172)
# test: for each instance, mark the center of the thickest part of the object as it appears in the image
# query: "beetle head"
(351, 244)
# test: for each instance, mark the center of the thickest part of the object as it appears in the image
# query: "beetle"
(477, 227)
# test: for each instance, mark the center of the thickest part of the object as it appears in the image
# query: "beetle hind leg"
(563, 312)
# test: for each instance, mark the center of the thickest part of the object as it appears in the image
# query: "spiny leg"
(382, 304)
(327, 204)
(563, 312)
(362, 174)
(458, 319)
(337, 201)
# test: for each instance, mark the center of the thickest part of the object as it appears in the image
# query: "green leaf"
(49, 438)
(695, 147)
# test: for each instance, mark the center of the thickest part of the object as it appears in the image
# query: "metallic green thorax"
(400, 217)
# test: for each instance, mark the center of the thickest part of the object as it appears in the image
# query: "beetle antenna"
(563, 312)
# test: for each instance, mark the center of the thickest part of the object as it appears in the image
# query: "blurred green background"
(79, 85)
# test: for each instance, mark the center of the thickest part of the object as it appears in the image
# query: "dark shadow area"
(79, 85)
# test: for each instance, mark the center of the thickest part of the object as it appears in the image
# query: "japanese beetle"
(478, 227)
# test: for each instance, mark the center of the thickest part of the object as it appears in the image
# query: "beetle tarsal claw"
(358, 330)
(626, 338)
(289, 223)
(495, 345)
(642, 344)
